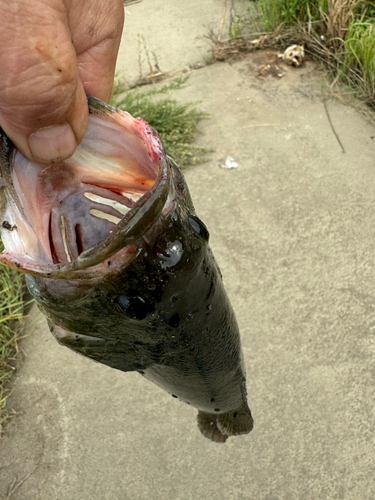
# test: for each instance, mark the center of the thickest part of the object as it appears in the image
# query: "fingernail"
(52, 144)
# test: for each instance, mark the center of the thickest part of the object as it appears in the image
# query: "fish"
(120, 265)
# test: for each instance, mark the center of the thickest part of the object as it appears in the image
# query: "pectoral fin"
(112, 353)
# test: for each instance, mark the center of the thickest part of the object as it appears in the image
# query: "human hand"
(53, 53)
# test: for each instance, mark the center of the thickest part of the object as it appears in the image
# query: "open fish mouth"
(67, 219)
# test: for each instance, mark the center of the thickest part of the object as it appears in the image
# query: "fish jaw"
(65, 220)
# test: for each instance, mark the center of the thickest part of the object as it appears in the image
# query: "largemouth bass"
(119, 263)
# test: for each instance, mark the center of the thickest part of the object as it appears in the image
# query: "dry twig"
(15, 484)
(230, 49)
(332, 127)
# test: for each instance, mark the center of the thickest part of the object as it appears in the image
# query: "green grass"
(11, 312)
(360, 55)
(288, 12)
(175, 123)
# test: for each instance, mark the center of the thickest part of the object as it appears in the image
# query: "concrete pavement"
(293, 230)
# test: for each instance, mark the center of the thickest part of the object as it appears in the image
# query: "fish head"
(100, 234)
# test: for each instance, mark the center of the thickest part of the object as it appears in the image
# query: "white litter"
(229, 163)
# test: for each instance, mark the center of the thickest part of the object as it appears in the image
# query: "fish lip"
(130, 228)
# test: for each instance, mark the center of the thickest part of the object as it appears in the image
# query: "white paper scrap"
(229, 163)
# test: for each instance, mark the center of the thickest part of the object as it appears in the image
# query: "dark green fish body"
(140, 291)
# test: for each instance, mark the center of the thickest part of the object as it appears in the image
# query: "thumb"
(43, 107)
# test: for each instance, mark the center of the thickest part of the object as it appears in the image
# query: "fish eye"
(198, 227)
(134, 307)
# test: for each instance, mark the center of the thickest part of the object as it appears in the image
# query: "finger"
(96, 27)
(43, 105)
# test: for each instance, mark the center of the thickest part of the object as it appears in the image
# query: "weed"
(11, 312)
(338, 17)
(360, 46)
(288, 12)
(175, 123)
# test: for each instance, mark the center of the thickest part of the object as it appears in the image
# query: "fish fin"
(208, 426)
(113, 353)
(236, 422)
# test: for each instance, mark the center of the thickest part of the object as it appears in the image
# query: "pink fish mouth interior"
(63, 209)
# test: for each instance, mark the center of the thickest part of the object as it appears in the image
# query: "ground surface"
(293, 229)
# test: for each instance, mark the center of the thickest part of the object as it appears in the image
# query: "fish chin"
(71, 218)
